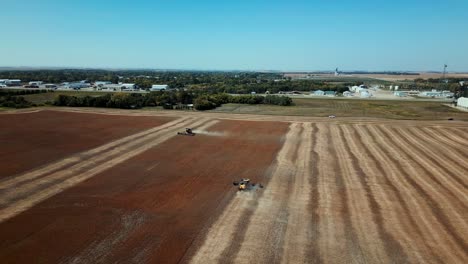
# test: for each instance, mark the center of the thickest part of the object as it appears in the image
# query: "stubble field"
(336, 191)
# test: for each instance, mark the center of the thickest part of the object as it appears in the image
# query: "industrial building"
(463, 102)
(77, 85)
(101, 83)
(11, 82)
(36, 83)
(159, 87)
(319, 92)
(117, 87)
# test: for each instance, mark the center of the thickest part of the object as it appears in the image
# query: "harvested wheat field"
(336, 191)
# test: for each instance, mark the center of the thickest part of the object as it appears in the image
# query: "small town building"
(330, 93)
(101, 83)
(319, 92)
(13, 82)
(365, 94)
(431, 94)
(159, 87)
(463, 102)
(400, 93)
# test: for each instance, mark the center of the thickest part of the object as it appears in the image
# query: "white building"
(357, 89)
(365, 94)
(462, 102)
(431, 94)
(129, 86)
(159, 87)
(37, 83)
(101, 83)
(347, 94)
(77, 85)
(14, 82)
(319, 92)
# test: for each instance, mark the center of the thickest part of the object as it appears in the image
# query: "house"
(159, 87)
(347, 94)
(319, 92)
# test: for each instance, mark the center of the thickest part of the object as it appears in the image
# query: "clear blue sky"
(244, 35)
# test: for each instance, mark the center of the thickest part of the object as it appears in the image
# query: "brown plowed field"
(336, 191)
(32, 139)
(148, 208)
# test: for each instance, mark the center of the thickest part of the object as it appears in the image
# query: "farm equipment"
(246, 185)
(187, 132)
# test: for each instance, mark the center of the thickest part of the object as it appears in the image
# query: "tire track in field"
(221, 234)
(393, 229)
(419, 209)
(450, 163)
(437, 134)
(314, 254)
(266, 231)
(240, 236)
(458, 136)
(43, 188)
(332, 228)
(353, 245)
(422, 156)
(14, 181)
(299, 232)
(366, 211)
(453, 240)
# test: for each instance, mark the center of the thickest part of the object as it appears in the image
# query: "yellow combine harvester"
(187, 132)
(245, 185)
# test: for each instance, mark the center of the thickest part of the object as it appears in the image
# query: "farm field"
(313, 107)
(382, 77)
(33, 139)
(344, 190)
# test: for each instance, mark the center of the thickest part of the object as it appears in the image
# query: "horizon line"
(215, 70)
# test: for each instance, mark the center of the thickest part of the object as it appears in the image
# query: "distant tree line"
(13, 98)
(14, 101)
(167, 99)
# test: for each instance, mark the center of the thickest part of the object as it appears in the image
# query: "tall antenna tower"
(444, 80)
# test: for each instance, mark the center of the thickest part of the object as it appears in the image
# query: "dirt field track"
(336, 191)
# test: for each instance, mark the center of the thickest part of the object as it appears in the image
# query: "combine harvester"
(188, 132)
(246, 185)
